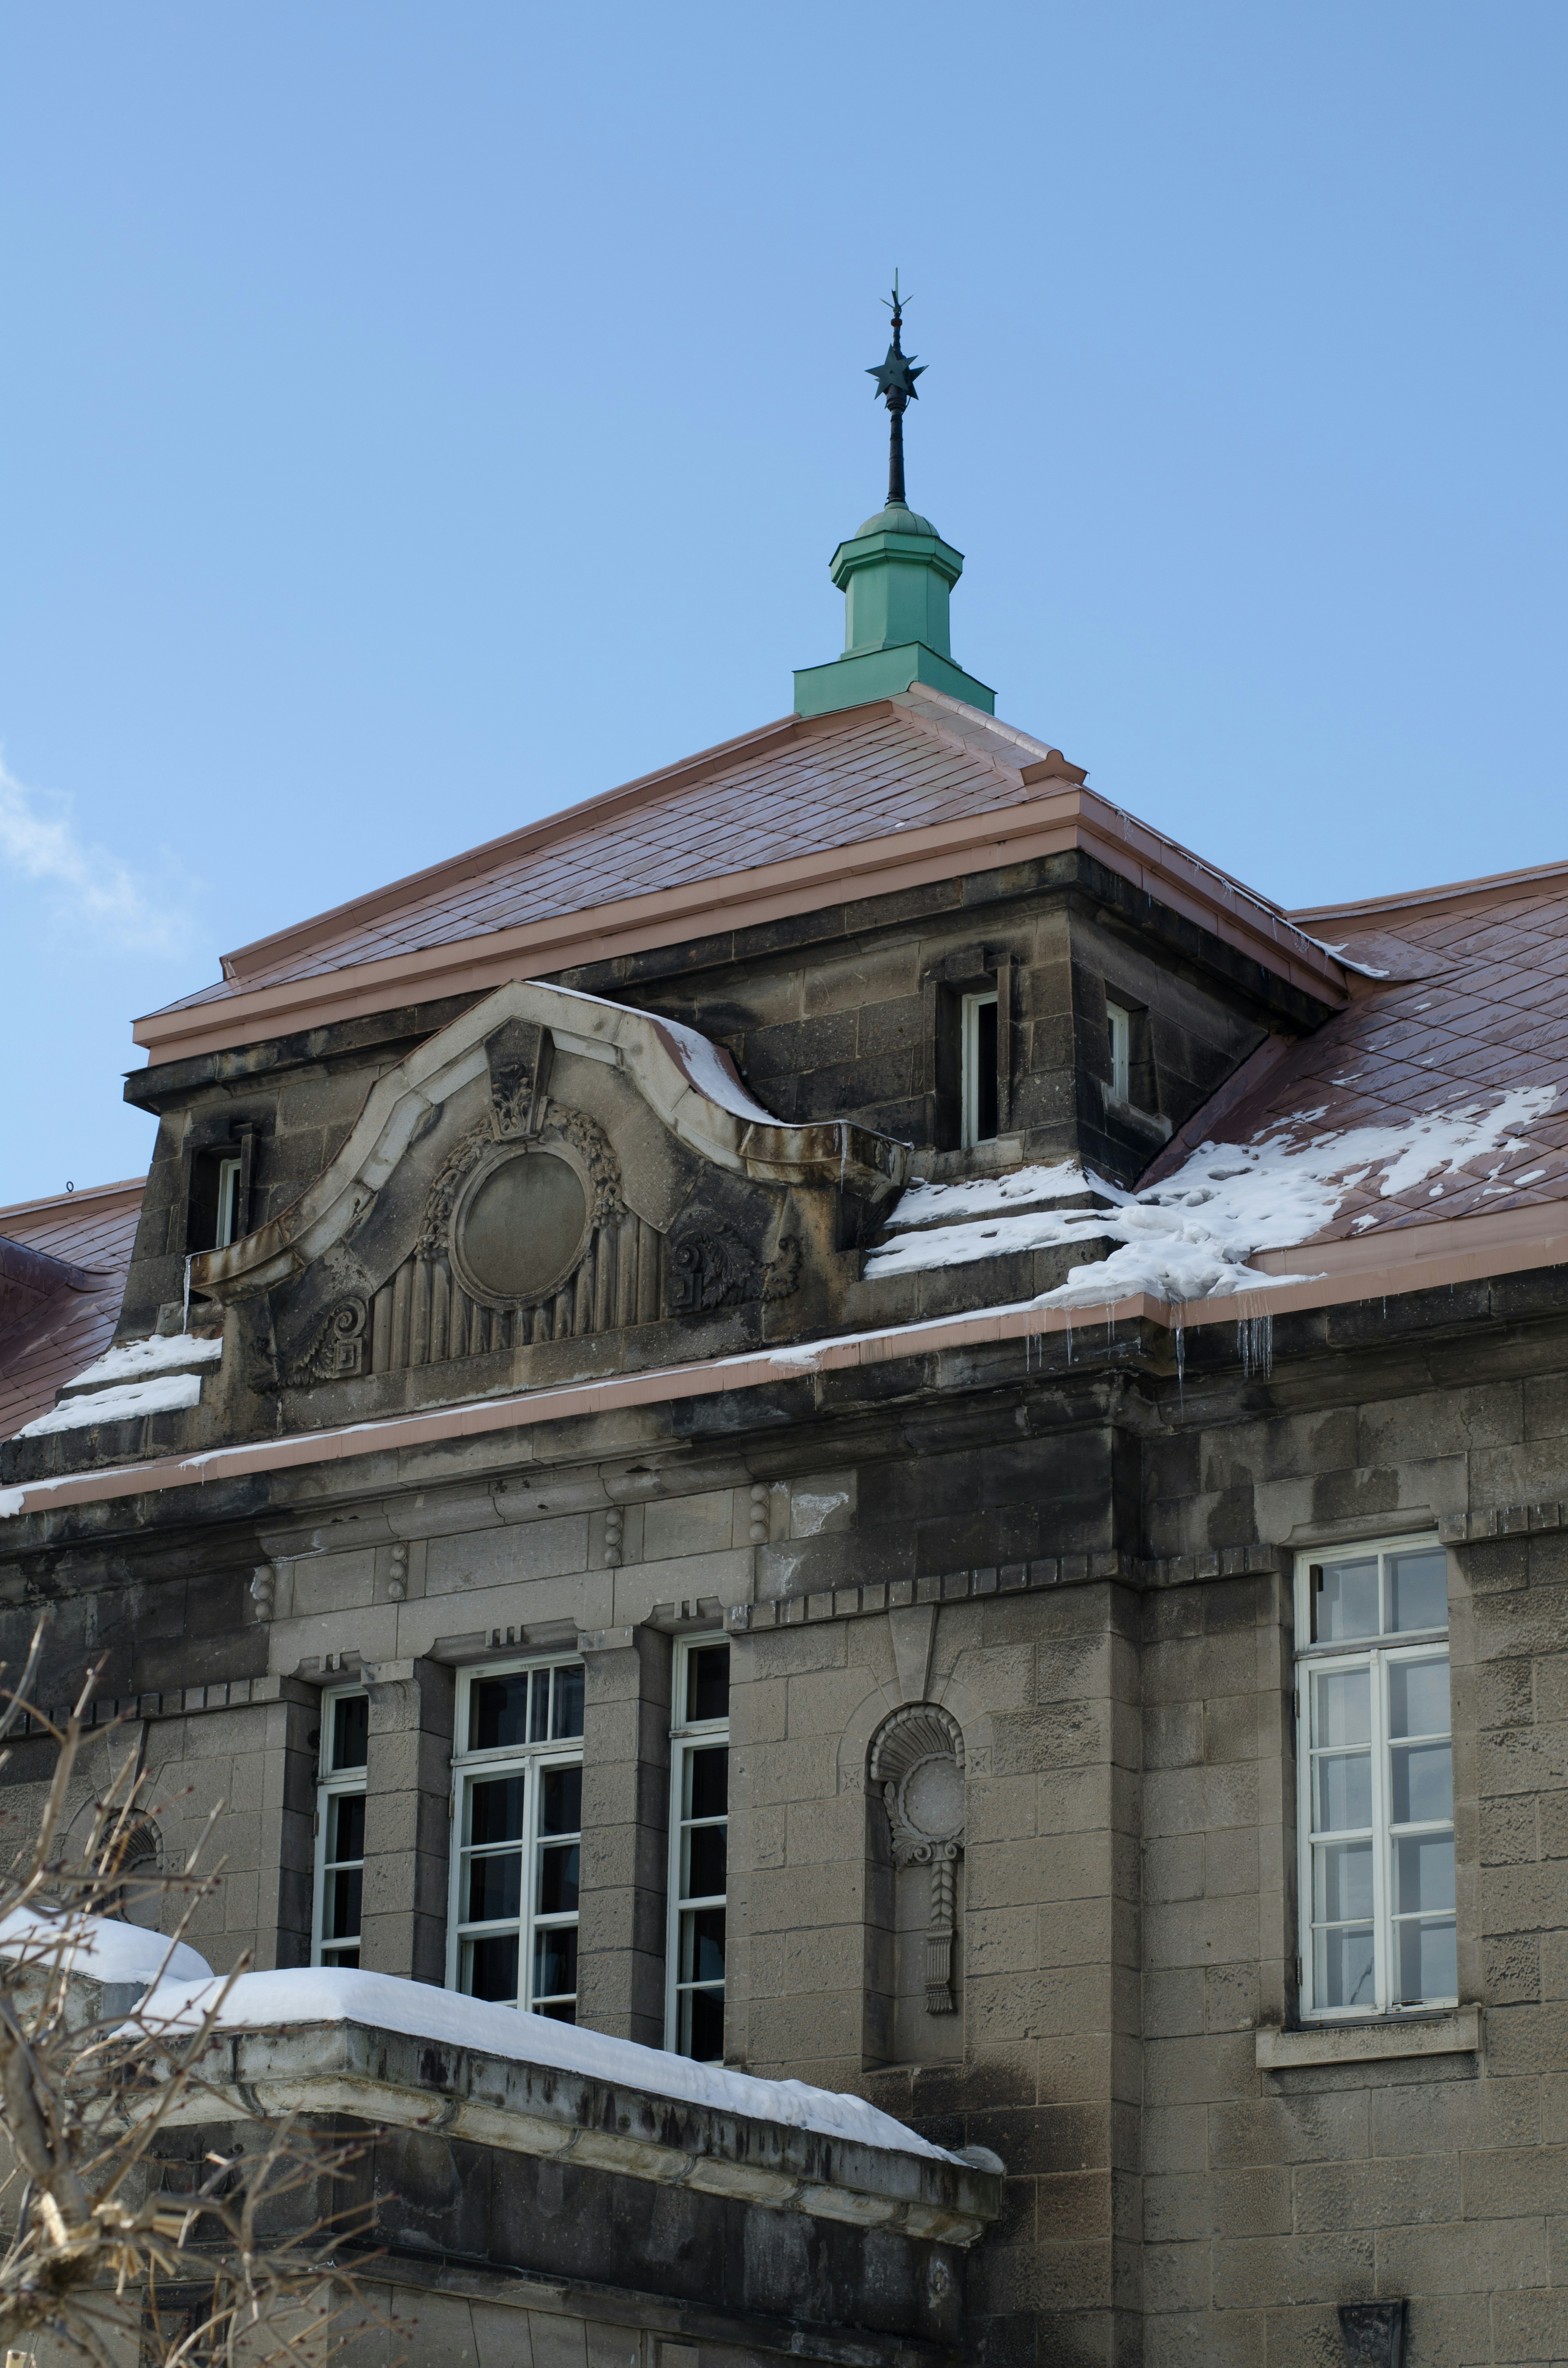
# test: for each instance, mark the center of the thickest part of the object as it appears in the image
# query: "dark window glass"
(559, 2010)
(496, 1814)
(529, 1706)
(561, 1800)
(498, 1713)
(707, 1854)
(558, 1880)
(568, 1717)
(555, 1961)
(346, 1826)
(493, 1968)
(350, 1957)
(985, 1072)
(702, 2012)
(343, 1890)
(495, 1887)
(710, 1783)
(702, 1945)
(708, 1682)
(351, 1731)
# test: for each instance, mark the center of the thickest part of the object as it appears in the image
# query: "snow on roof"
(318, 1994)
(133, 1360)
(1190, 1236)
(100, 1946)
(94, 1229)
(985, 1196)
(1474, 1006)
(163, 1393)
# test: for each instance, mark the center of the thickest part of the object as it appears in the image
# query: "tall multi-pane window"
(699, 1810)
(1375, 1780)
(518, 1815)
(340, 1828)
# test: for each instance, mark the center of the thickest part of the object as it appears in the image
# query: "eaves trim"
(1051, 824)
(1452, 1251)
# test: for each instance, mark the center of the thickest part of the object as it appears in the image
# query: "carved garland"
(917, 1760)
(588, 1139)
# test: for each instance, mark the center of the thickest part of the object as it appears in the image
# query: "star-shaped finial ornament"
(895, 377)
(897, 374)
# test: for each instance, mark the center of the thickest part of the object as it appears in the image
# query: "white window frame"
(532, 1761)
(1119, 1021)
(1379, 1655)
(332, 1785)
(970, 1063)
(228, 1199)
(686, 1738)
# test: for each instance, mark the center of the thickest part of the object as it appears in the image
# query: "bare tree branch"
(109, 2244)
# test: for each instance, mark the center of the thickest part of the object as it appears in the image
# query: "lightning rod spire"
(895, 385)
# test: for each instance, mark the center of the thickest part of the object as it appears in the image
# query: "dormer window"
(1119, 1021)
(229, 1226)
(979, 1068)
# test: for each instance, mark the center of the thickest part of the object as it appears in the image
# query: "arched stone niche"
(917, 1766)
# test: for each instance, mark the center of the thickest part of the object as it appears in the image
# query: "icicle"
(1254, 1341)
(184, 1304)
(1068, 1312)
(1181, 1366)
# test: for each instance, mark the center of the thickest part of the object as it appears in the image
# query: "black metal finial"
(895, 385)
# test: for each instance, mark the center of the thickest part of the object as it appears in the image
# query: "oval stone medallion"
(522, 1231)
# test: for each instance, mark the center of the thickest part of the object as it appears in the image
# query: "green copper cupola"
(895, 573)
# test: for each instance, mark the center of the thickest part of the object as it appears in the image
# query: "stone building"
(842, 1415)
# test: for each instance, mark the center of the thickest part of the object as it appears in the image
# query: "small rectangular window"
(1375, 1782)
(1119, 1021)
(978, 1076)
(340, 1828)
(700, 1803)
(518, 1808)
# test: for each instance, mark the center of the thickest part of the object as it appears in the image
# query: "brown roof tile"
(62, 1333)
(1417, 1046)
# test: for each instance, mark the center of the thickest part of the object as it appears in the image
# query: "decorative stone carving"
(337, 1353)
(711, 1266)
(569, 1132)
(518, 1056)
(918, 1762)
(1372, 2333)
(525, 1235)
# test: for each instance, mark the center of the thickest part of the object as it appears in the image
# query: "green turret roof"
(897, 517)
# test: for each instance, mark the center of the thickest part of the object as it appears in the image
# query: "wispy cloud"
(40, 841)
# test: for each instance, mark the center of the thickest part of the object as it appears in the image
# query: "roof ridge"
(1488, 885)
(71, 1200)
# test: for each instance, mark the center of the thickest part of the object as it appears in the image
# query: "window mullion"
(1383, 1842)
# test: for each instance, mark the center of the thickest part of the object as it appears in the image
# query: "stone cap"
(397, 2080)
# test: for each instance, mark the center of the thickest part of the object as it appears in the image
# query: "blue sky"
(418, 417)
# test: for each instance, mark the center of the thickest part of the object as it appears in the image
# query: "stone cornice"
(1044, 1572)
(397, 2081)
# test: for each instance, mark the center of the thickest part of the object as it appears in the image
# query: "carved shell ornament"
(918, 1762)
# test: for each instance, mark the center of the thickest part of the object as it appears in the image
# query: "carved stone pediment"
(548, 1166)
